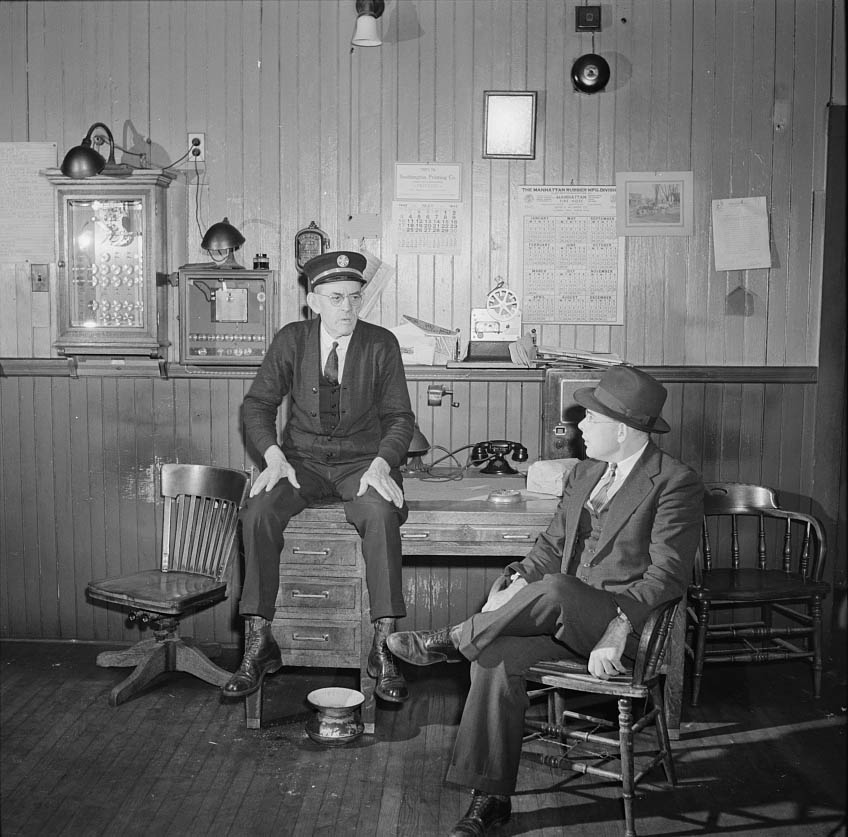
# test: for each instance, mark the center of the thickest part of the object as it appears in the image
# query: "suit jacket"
(375, 416)
(649, 540)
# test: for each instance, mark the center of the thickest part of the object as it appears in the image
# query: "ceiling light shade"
(366, 33)
(222, 240)
(83, 161)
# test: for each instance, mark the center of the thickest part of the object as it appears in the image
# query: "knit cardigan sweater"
(375, 416)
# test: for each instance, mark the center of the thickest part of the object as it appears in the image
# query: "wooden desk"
(323, 617)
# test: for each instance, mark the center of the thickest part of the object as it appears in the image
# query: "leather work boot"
(261, 656)
(426, 648)
(383, 667)
(484, 813)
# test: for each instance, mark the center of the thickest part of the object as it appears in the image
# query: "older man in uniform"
(348, 431)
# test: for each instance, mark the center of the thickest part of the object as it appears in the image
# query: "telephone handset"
(494, 453)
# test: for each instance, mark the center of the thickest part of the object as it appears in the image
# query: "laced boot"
(484, 813)
(383, 667)
(261, 656)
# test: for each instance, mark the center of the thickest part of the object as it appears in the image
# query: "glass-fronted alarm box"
(226, 315)
(111, 235)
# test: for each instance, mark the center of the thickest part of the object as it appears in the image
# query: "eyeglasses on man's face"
(337, 300)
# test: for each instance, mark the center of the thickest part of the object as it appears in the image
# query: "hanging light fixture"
(221, 241)
(366, 33)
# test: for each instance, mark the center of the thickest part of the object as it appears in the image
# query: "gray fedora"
(629, 395)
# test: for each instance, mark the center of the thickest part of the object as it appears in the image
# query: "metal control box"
(561, 437)
(227, 317)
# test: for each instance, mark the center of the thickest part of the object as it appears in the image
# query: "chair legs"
(152, 657)
(554, 731)
(700, 649)
(811, 651)
(625, 744)
(816, 641)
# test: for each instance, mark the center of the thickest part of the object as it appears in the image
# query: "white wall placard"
(740, 234)
(428, 181)
(27, 229)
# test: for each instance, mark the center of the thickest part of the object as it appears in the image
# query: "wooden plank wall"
(79, 498)
(300, 127)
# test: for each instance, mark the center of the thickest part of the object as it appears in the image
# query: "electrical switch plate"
(38, 276)
(588, 18)
(197, 148)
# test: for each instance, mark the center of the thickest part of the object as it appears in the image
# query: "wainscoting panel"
(79, 496)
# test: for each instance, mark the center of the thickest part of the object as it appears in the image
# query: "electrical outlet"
(197, 148)
(38, 276)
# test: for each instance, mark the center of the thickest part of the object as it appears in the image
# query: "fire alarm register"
(226, 316)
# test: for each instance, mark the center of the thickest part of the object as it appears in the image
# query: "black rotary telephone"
(494, 453)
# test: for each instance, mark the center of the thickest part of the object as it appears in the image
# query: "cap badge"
(342, 261)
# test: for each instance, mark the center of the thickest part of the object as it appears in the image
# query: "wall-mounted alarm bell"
(590, 73)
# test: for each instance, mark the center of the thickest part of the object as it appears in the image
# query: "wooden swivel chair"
(583, 750)
(198, 533)
(774, 565)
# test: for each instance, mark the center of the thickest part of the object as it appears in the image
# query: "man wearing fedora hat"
(348, 430)
(622, 542)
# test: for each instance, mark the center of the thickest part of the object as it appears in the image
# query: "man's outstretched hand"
(378, 477)
(277, 467)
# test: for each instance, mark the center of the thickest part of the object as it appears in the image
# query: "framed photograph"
(509, 124)
(654, 202)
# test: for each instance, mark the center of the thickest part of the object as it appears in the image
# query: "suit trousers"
(557, 617)
(378, 521)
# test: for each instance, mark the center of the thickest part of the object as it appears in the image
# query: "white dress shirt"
(622, 471)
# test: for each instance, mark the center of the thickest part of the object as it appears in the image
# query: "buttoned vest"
(588, 534)
(328, 403)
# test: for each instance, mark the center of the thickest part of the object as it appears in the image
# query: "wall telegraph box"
(227, 316)
(561, 438)
(111, 234)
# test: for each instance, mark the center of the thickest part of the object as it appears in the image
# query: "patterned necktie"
(331, 370)
(600, 500)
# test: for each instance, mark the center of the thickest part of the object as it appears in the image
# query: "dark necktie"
(600, 500)
(331, 370)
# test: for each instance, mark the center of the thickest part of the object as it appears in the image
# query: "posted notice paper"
(740, 234)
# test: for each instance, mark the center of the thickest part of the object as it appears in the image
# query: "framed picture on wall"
(654, 203)
(509, 124)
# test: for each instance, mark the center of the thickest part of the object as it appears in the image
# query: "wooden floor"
(759, 757)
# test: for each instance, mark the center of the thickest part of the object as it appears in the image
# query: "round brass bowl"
(336, 719)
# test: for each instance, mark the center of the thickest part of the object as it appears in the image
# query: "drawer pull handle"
(304, 637)
(324, 594)
(414, 536)
(523, 536)
(296, 551)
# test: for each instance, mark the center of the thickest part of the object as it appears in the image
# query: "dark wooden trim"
(61, 368)
(829, 462)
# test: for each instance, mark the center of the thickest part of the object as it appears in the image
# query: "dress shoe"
(484, 813)
(382, 665)
(261, 656)
(425, 648)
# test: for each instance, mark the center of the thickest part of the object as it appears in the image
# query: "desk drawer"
(316, 638)
(320, 550)
(465, 533)
(300, 594)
